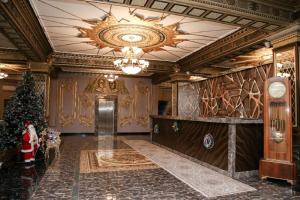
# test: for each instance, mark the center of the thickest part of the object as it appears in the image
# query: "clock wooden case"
(277, 161)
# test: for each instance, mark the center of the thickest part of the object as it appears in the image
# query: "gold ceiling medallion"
(148, 34)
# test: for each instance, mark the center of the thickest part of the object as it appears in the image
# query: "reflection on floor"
(143, 180)
(206, 181)
(19, 182)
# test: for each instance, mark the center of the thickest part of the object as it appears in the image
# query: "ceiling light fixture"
(283, 74)
(3, 75)
(196, 78)
(131, 64)
(111, 77)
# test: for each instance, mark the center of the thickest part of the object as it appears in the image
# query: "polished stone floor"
(64, 180)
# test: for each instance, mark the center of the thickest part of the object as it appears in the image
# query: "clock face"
(277, 89)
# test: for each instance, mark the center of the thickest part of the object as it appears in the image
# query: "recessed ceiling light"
(138, 2)
(213, 15)
(178, 8)
(244, 21)
(159, 5)
(196, 12)
(117, 1)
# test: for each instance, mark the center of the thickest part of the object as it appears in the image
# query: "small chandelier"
(283, 74)
(111, 77)
(131, 64)
(3, 75)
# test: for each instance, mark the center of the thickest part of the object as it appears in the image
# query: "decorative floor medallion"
(113, 160)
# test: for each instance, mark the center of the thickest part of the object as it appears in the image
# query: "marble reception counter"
(232, 146)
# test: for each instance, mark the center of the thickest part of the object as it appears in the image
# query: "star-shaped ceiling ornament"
(148, 34)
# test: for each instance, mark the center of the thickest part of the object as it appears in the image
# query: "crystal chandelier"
(131, 64)
(111, 77)
(3, 75)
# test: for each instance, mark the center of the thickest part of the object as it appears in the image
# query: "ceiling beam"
(24, 30)
(160, 78)
(235, 42)
(11, 56)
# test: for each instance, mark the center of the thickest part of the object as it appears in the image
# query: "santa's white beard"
(31, 130)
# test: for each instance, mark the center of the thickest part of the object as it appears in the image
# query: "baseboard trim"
(118, 133)
(74, 134)
(133, 133)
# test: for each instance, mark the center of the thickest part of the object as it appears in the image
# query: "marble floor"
(133, 176)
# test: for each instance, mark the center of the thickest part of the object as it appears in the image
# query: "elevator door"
(105, 117)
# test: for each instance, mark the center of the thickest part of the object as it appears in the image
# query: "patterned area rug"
(113, 160)
(206, 181)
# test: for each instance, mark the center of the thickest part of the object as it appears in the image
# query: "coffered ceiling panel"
(100, 28)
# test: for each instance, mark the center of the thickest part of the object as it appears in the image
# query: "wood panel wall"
(249, 146)
(6, 94)
(232, 95)
(189, 140)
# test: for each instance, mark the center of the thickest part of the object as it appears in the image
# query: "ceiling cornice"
(278, 4)
(223, 48)
(249, 8)
(24, 30)
(11, 56)
(58, 59)
(286, 36)
(160, 78)
(256, 12)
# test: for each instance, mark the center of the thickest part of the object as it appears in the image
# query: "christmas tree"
(24, 105)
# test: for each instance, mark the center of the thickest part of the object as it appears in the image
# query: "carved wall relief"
(86, 105)
(103, 86)
(67, 95)
(127, 115)
(238, 94)
(142, 104)
(135, 108)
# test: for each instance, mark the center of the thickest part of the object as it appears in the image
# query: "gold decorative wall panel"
(86, 108)
(175, 99)
(67, 96)
(134, 109)
(126, 104)
(75, 108)
(238, 94)
(142, 104)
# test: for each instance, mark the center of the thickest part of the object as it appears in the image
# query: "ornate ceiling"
(199, 35)
(98, 28)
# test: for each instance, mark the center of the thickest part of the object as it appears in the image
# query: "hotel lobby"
(149, 99)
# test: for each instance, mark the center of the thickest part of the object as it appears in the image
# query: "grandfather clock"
(277, 162)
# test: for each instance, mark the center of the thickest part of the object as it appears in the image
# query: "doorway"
(105, 112)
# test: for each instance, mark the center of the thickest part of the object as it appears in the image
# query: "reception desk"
(232, 146)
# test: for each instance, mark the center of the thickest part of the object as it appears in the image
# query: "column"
(174, 98)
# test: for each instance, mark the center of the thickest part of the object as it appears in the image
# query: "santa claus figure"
(30, 142)
(34, 140)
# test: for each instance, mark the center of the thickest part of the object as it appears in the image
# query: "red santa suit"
(27, 148)
(34, 140)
